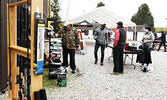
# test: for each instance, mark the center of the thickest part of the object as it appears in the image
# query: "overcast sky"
(123, 8)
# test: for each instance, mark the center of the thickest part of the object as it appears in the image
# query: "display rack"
(55, 54)
(15, 78)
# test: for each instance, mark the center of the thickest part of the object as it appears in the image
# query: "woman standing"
(148, 38)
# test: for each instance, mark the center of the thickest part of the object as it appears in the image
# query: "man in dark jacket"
(118, 48)
(163, 41)
(101, 37)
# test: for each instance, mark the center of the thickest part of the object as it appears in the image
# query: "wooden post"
(36, 80)
(13, 55)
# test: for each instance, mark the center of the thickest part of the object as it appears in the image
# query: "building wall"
(3, 46)
(0, 47)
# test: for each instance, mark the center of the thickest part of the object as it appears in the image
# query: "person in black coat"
(163, 41)
(118, 48)
(145, 56)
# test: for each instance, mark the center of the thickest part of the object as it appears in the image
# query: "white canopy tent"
(102, 15)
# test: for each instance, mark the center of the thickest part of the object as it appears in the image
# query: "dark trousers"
(71, 52)
(118, 59)
(163, 44)
(102, 51)
(150, 49)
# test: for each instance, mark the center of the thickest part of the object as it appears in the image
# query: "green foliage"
(100, 4)
(46, 82)
(143, 17)
(55, 8)
(159, 29)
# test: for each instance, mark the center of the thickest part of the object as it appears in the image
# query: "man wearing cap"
(70, 42)
(101, 37)
(118, 48)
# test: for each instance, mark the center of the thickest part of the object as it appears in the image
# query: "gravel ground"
(98, 84)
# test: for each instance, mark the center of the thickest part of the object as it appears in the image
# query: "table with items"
(127, 52)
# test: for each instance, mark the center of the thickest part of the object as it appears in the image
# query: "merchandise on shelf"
(55, 54)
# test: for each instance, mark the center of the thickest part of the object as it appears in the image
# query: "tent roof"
(84, 23)
(102, 15)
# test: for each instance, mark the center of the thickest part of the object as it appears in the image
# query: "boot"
(164, 48)
(101, 64)
(96, 61)
(159, 48)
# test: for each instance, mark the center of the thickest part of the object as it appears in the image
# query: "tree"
(143, 17)
(100, 4)
(55, 9)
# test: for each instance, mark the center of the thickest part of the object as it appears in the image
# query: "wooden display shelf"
(14, 49)
(19, 3)
(21, 51)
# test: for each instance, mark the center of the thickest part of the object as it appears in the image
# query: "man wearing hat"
(118, 48)
(70, 42)
(101, 37)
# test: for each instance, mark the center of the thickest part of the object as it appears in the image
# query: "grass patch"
(48, 83)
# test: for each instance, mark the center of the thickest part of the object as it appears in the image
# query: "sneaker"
(101, 64)
(73, 71)
(114, 73)
(96, 61)
(66, 69)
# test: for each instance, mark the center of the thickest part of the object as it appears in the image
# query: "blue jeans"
(102, 51)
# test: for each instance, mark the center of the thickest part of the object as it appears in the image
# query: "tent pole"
(127, 28)
(135, 33)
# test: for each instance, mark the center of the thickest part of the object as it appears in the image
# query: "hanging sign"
(39, 44)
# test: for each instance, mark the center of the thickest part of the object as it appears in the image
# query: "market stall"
(82, 26)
